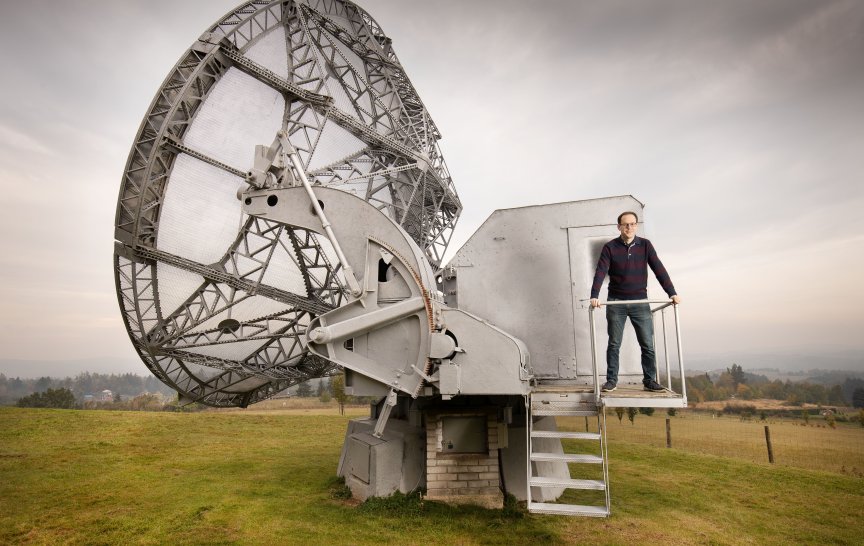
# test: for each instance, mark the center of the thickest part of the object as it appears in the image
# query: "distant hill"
(779, 363)
(31, 369)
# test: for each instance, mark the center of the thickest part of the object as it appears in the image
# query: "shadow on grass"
(451, 521)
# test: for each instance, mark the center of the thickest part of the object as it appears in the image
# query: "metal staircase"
(551, 468)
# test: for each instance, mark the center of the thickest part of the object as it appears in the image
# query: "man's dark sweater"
(627, 266)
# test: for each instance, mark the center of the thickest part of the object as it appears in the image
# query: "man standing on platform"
(626, 259)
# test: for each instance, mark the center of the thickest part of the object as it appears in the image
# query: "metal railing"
(662, 309)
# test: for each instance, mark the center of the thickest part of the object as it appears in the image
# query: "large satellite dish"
(217, 302)
(284, 212)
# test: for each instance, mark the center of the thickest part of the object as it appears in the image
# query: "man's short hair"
(623, 214)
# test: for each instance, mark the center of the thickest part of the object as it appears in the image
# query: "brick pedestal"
(463, 478)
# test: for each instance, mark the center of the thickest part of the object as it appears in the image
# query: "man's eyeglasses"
(633, 224)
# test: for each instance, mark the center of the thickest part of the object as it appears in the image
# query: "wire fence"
(813, 444)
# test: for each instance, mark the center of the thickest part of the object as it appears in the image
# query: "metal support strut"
(353, 284)
(385, 414)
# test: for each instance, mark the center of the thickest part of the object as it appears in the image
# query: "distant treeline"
(127, 385)
(736, 383)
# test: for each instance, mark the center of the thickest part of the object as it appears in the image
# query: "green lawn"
(99, 477)
(815, 446)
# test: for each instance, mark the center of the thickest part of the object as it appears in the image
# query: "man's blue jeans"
(643, 323)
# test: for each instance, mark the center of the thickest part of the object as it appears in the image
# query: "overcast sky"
(740, 124)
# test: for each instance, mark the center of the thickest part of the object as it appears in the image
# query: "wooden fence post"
(768, 441)
(668, 433)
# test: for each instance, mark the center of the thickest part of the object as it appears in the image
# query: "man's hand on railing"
(595, 302)
(676, 299)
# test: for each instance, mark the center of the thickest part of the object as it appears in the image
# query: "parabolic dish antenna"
(217, 302)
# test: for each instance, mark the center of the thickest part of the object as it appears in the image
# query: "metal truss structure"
(217, 303)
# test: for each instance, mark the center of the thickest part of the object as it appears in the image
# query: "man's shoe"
(653, 386)
(608, 386)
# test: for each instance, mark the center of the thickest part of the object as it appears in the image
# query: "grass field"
(258, 477)
(815, 446)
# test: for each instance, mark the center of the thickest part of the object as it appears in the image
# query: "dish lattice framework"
(217, 303)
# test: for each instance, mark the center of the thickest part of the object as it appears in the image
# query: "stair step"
(599, 485)
(568, 509)
(567, 457)
(562, 434)
(563, 411)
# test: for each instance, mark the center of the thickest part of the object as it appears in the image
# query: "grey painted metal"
(562, 435)
(488, 360)
(300, 169)
(546, 484)
(361, 324)
(269, 304)
(604, 452)
(388, 406)
(337, 74)
(594, 359)
(567, 457)
(680, 354)
(394, 321)
(567, 509)
(391, 322)
(539, 263)
(665, 349)
(666, 400)
(564, 412)
(598, 485)
(378, 467)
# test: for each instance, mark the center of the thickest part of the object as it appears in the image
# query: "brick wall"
(465, 478)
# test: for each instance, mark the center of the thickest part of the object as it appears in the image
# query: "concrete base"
(378, 467)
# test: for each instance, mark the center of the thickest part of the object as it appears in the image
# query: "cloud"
(737, 123)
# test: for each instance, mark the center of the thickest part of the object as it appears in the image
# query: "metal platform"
(625, 396)
(635, 396)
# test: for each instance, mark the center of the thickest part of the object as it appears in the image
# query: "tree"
(861, 417)
(671, 412)
(858, 398)
(620, 413)
(647, 411)
(631, 414)
(737, 374)
(52, 398)
(338, 383)
(304, 390)
(835, 396)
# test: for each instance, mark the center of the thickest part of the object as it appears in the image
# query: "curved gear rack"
(216, 302)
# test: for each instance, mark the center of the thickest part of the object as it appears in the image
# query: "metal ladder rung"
(561, 434)
(567, 457)
(568, 509)
(563, 412)
(569, 483)
(574, 477)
